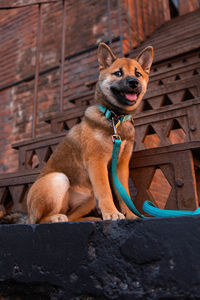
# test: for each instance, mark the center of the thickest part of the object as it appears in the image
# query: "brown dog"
(76, 177)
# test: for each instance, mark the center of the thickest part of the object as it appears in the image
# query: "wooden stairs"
(165, 165)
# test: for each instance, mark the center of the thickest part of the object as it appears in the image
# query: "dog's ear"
(145, 59)
(105, 56)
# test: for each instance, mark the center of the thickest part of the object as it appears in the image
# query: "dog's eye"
(118, 73)
(138, 74)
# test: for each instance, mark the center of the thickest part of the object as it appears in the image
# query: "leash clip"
(115, 136)
(114, 126)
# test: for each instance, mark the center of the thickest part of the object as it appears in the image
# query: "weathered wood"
(176, 37)
(14, 188)
(179, 85)
(177, 164)
(38, 145)
(8, 4)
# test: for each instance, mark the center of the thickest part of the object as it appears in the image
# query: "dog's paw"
(113, 216)
(58, 218)
(131, 216)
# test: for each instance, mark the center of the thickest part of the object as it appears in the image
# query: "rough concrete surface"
(138, 259)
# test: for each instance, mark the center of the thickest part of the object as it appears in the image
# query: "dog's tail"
(13, 218)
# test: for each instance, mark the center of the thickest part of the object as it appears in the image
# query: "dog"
(77, 177)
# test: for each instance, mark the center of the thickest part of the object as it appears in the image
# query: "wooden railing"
(167, 124)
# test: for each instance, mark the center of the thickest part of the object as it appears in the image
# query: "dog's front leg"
(98, 174)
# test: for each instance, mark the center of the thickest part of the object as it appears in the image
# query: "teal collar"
(109, 114)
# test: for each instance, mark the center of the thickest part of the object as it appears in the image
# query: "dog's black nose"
(132, 82)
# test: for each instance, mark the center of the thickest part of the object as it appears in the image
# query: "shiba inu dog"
(76, 179)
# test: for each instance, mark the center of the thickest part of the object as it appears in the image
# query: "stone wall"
(139, 259)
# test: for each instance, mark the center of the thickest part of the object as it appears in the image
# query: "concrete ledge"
(142, 259)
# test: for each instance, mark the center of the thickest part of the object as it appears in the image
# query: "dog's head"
(123, 81)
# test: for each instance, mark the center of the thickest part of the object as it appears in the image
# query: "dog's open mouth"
(128, 98)
(131, 97)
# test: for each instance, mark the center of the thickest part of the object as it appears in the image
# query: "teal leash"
(148, 206)
(120, 189)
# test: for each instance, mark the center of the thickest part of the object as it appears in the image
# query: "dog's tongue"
(131, 97)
